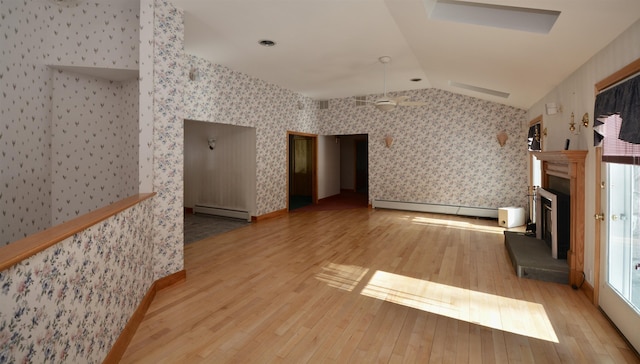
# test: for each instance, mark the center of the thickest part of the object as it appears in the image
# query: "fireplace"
(569, 165)
(553, 221)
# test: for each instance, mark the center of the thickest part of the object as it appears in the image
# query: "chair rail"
(24, 248)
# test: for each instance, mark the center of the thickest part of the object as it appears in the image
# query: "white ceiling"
(330, 48)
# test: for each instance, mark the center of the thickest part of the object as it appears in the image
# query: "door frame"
(532, 202)
(314, 162)
(626, 71)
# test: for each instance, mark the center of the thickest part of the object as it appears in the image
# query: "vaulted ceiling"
(330, 48)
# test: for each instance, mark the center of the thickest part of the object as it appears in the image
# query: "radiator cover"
(437, 208)
(222, 211)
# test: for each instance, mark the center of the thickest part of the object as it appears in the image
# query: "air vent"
(361, 100)
(323, 104)
(483, 90)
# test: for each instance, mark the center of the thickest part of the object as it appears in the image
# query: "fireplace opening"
(554, 215)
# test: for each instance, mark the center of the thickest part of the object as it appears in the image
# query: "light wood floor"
(365, 286)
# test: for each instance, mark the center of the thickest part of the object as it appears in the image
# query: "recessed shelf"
(111, 74)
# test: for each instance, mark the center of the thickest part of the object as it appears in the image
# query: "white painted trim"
(554, 218)
(437, 209)
(221, 211)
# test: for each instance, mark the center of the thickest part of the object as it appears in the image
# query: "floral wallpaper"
(36, 34)
(59, 304)
(145, 100)
(225, 96)
(70, 302)
(25, 125)
(94, 143)
(168, 135)
(445, 152)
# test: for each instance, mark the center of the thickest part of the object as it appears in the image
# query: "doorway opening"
(302, 170)
(362, 164)
(219, 178)
(354, 163)
(354, 169)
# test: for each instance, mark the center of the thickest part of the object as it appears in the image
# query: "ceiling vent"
(483, 90)
(361, 100)
(323, 104)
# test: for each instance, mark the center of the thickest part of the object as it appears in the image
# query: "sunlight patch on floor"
(496, 312)
(461, 225)
(345, 277)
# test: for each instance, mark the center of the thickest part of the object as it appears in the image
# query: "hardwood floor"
(368, 286)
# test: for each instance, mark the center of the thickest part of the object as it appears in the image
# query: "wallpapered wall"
(94, 144)
(445, 152)
(168, 138)
(70, 302)
(224, 176)
(225, 96)
(36, 34)
(36, 292)
(145, 102)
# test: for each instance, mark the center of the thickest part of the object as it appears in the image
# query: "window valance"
(624, 100)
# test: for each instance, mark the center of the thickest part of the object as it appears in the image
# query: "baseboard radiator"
(221, 211)
(437, 208)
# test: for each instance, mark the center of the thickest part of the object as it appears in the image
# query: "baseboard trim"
(170, 280)
(587, 289)
(324, 198)
(269, 215)
(122, 342)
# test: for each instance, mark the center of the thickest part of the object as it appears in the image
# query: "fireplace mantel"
(569, 164)
(562, 156)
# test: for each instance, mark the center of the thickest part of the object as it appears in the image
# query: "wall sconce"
(502, 138)
(585, 120)
(212, 143)
(538, 135)
(194, 74)
(572, 124)
(388, 141)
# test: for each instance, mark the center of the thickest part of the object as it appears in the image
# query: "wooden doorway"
(302, 170)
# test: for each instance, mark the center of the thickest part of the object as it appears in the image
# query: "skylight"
(499, 16)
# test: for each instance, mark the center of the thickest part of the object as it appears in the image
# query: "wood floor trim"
(269, 215)
(170, 280)
(120, 346)
(588, 291)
